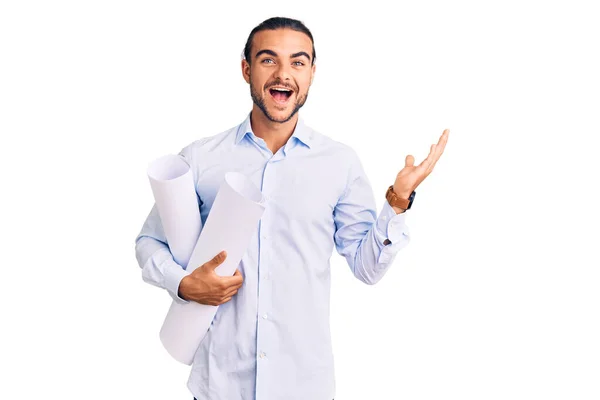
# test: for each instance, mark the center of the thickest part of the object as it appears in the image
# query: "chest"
(300, 189)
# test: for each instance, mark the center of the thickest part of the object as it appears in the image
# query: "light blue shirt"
(272, 341)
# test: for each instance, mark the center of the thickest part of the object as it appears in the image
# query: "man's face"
(280, 72)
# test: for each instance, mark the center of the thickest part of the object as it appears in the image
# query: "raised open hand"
(411, 176)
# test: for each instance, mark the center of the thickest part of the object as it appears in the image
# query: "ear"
(312, 73)
(246, 70)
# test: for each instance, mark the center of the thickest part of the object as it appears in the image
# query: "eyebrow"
(269, 52)
(301, 53)
(272, 53)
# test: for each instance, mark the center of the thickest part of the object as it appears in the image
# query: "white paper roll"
(174, 191)
(233, 219)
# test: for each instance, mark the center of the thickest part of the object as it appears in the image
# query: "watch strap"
(396, 201)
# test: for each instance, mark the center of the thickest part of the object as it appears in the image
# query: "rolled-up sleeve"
(360, 235)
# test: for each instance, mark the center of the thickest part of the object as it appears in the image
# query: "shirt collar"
(302, 132)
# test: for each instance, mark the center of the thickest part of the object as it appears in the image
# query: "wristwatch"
(396, 201)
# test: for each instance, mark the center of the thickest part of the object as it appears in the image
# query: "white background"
(497, 295)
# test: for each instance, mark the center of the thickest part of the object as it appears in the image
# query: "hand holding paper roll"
(205, 286)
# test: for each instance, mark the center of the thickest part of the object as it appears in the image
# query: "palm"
(412, 175)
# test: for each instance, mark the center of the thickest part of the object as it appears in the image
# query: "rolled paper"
(174, 192)
(231, 223)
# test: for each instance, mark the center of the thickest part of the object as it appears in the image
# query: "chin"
(280, 115)
(277, 113)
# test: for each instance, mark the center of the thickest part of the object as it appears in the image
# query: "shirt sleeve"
(155, 259)
(360, 233)
(154, 256)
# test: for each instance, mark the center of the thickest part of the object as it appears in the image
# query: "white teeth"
(281, 90)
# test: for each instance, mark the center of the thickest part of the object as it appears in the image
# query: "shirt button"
(262, 355)
(265, 316)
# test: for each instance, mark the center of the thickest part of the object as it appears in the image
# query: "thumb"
(410, 160)
(216, 260)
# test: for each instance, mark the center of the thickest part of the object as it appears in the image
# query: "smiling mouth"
(281, 95)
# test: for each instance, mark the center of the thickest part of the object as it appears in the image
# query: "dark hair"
(279, 23)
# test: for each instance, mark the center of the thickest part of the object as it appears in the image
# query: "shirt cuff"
(173, 275)
(391, 226)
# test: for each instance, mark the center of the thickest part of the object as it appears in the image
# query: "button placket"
(264, 288)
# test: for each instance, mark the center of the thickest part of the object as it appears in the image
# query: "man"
(270, 338)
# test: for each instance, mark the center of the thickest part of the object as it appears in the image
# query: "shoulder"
(341, 151)
(208, 144)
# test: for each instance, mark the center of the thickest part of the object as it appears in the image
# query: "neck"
(275, 134)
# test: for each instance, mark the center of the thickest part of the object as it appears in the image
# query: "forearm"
(368, 241)
(155, 259)
(377, 250)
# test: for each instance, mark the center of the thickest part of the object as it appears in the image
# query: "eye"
(267, 61)
(298, 63)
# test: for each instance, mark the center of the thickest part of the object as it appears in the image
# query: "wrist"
(400, 202)
(181, 292)
(402, 192)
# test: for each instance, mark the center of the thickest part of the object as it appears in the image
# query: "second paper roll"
(240, 204)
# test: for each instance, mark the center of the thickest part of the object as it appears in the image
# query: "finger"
(439, 150)
(410, 161)
(236, 279)
(216, 260)
(427, 161)
(225, 300)
(444, 136)
(226, 286)
(231, 292)
(432, 164)
(441, 144)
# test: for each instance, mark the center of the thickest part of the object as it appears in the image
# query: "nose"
(283, 72)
